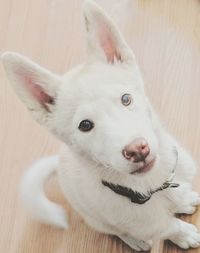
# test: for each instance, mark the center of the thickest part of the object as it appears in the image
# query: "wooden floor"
(165, 35)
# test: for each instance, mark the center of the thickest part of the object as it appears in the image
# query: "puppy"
(119, 168)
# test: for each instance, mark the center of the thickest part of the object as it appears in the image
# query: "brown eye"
(126, 99)
(86, 125)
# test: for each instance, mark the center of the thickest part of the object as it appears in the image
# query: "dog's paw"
(193, 200)
(188, 238)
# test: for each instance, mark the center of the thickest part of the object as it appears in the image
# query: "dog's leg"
(101, 226)
(184, 200)
(135, 244)
(183, 234)
(189, 204)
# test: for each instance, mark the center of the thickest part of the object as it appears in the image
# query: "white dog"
(119, 168)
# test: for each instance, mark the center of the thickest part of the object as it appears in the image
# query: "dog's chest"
(93, 200)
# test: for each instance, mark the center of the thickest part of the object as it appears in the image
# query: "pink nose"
(137, 150)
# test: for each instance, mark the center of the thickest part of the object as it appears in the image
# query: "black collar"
(141, 198)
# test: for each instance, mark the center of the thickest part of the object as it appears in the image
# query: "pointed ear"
(36, 86)
(104, 40)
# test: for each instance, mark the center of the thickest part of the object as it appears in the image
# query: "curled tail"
(33, 196)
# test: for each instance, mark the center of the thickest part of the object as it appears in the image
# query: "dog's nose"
(137, 150)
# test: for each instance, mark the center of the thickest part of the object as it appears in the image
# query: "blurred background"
(165, 37)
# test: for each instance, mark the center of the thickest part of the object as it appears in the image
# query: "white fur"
(93, 91)
(33, 196)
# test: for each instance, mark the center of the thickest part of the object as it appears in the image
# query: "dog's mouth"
(147, 166)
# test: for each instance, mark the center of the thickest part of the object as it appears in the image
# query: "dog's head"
(99, 108)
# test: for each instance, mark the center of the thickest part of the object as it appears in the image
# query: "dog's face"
(102, 109)
(99, 108)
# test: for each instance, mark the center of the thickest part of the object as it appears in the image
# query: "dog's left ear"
(104, 40)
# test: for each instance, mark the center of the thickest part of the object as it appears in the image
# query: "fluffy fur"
(93, 91)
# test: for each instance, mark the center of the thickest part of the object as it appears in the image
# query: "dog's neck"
(141, 198)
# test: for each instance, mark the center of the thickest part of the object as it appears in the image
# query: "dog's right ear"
(104, 40)
(36, 86)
